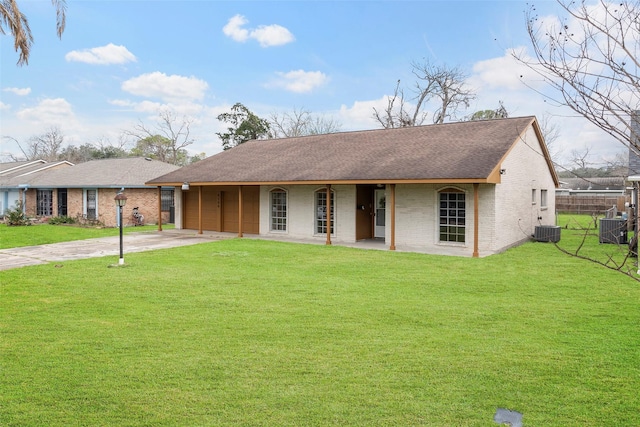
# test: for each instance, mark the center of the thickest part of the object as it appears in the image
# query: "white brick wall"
(417, 215)
(516, 215)
(507, 215)
(300, 215)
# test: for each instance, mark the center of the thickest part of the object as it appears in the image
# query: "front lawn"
(42, 234)
(262, 333)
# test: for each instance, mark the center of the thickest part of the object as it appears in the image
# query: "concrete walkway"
(104, 246)
(136, 242)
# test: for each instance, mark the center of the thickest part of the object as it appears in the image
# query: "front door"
(380, 206)
(364, 212)
(62, 202)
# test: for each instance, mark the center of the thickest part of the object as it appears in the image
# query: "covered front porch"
(237, 209)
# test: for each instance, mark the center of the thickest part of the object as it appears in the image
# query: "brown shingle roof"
(451, 151)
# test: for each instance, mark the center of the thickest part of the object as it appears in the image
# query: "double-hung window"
(278, 202)
(543, 199)
(452, 215)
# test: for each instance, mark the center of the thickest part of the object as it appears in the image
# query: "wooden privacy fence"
(590, 204)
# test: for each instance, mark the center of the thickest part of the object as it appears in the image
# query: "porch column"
(476, 220)
(329, 216)
(392, 203)
(200, 209)
(240, 211)
(159, 208)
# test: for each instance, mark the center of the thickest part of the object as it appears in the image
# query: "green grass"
(262, 333)
(41, 234)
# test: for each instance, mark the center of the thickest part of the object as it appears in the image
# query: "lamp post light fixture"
(121, 200)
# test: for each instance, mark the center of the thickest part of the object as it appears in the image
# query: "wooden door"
(364, 212)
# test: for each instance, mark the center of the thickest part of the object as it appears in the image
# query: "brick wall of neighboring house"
(31, 206)
(74, 202)
(147, 202)
(146, 199)
(30, 202)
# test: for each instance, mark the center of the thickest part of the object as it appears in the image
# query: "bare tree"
(551, 133)
(46, 146)
(300, 123)
(13, 20)
(590, 59)
(170, 136)
(618, 165)
(444, 85)
(580, 158)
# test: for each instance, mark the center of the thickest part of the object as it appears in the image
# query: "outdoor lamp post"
(121, 200)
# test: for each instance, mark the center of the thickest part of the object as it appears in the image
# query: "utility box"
(613, 230)
(547, 233)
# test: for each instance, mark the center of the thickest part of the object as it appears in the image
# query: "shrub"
(15, 216)
(61, 220)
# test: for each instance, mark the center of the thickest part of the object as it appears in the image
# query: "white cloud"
(168, 88)
(48, 111)
(4, 106)
(234, 29)
(266, 35)
(525, 93)
(299, 81)
(504, 72)
(103, 55)
(272, 35)
(360, 115)
(18, 91)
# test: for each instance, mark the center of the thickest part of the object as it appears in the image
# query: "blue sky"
(121, 62)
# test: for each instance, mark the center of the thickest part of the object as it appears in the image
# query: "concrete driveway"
(104, 246)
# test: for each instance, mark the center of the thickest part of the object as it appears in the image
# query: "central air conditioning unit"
(613, 231)
(547, 233)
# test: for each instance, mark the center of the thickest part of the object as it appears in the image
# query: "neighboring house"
(87, 190)
(614, 185)
(469, 188)
(597, 195)
(14, 175)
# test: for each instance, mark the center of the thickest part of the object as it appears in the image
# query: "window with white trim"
(533, 196)
(452, 215)
(44, 202)
(321, 212)
(543, 198)
(278, 206)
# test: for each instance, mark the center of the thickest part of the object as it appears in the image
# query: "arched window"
(321, 211)
(452, 215)
(278, 209)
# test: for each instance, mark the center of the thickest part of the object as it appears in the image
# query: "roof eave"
(488, 180)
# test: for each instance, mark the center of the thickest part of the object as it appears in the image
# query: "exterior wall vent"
(547, 233)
